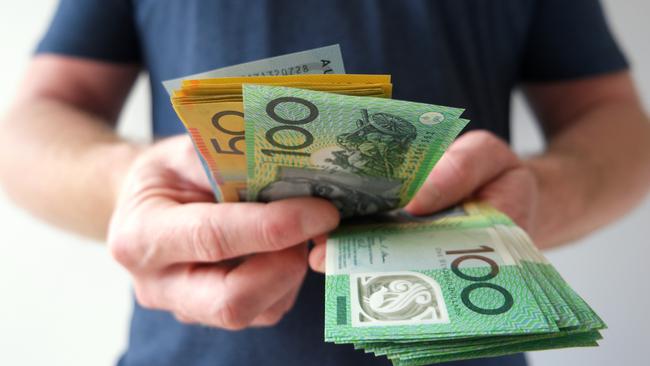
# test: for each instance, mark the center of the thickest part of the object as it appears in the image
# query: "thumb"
(472, 161)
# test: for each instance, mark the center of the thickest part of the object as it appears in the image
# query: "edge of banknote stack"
(467, 283)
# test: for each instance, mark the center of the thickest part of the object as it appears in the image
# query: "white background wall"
(64, 302)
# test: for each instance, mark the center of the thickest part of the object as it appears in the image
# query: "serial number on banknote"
(323, 67)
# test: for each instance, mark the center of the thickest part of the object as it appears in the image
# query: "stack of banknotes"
(213, 112)
(461, 284)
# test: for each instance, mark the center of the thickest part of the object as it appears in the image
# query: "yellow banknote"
(213, 113)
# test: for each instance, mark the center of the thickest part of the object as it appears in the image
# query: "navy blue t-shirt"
(465, 53)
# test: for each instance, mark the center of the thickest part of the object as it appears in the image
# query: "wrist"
(563, 197)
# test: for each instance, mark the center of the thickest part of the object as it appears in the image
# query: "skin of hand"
(227, 265)
(594, 168)
(477, 165)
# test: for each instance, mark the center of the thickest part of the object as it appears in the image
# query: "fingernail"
(319, 260)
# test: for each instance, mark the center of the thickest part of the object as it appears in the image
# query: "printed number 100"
(479, 280)
(288, 125)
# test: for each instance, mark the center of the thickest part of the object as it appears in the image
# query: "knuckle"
(272, 317)
(131, 245)
(230, 315)
(120, 248)
(123, 245)
(295, 266)
(207, 240)
(144, 296)
(272, 231)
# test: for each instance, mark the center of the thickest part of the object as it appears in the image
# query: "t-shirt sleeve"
(98, 29)
(569, 40)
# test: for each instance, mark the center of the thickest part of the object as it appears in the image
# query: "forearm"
(593, 171)
(62, 164)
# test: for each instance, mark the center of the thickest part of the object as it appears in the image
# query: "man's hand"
(477, 165)
(229, 265)
(480, 166)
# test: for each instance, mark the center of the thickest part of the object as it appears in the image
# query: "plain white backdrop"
(64, 302)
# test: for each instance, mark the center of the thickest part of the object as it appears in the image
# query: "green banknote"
(461, 284)
(426, 281)
(364, 154)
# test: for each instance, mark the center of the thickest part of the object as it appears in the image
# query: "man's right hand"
(228, 265)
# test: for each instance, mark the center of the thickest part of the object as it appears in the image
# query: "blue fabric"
(157, 339)
(465, 53)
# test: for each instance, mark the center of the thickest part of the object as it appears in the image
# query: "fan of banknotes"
(461, 284)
